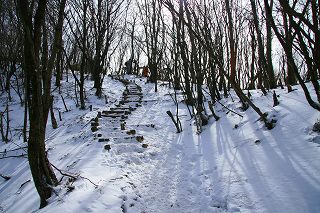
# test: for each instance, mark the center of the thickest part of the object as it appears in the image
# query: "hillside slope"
(234, 165)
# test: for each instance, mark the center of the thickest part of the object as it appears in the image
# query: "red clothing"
(145, 72)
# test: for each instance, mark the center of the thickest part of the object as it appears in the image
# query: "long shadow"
(275, 172)
(262, 170)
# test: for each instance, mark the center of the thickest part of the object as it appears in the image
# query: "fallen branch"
(229, 109)
(89, 181)
(212, 111)
(225, 106)
(22, 185)
(72, 176)
(275, 99)
(14, 156)
(64, 103)
(5, 177)
(174, 121)
(65, 174)
(6, 151)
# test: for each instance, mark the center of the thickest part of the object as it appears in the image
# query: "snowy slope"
(234, 165)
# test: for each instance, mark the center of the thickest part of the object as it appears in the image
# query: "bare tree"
(286, 41)
(152, 20)
(38, 91)
(265, 78)
(107, 19)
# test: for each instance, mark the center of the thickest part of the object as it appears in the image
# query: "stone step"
(114, 115)
(128, 87)
(127, 126)
(115, 120)
(118, 131)
(132, 95)
(119, 118)
(132, 90)
(132, 99)
(117, 134)
(129, 101)
(132, 86)
(122, 107)
(138, 138)
(117, 111)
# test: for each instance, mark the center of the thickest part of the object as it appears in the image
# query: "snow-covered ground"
(234, 165)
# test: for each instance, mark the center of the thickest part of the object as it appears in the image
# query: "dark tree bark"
(288, 38)
(196, 63)
(233, 48)
(53, 118)
(153, 29)
(36, 147)
(38, 93)
(287, 46)
(270, 70)
(253, 58)
(266, 71)
(183, 54)
(105, 17)
(59, 66)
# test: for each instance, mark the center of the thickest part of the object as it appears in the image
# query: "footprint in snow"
(234, 210)
(196, 181)
(218, 202)
(195, 157)
(208, 171)
(316, 139)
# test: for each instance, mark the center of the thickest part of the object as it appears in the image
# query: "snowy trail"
(224, 170)
(234, 165)
(170, 183)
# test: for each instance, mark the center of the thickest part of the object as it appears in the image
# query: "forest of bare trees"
(228, 44)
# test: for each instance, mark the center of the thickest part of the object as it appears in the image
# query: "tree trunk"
(53, 119)
(233, 51)
(253, 58)
(270, 71)
(287, 46)
(183, 54)
(42, 173)
(59, 67)
(262, 59)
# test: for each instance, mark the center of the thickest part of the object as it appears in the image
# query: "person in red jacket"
(145, 72)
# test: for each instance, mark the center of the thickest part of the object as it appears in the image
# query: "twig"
(89, 181)
(21, 186)
(5, 177)
(225, 106)
(64, 103)
(24, 184)
(212, 111)
(73, 176)
(175, 102)
(14, 156)
(63, 173)
(6, 151)
(229, 109)
(174, 121)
